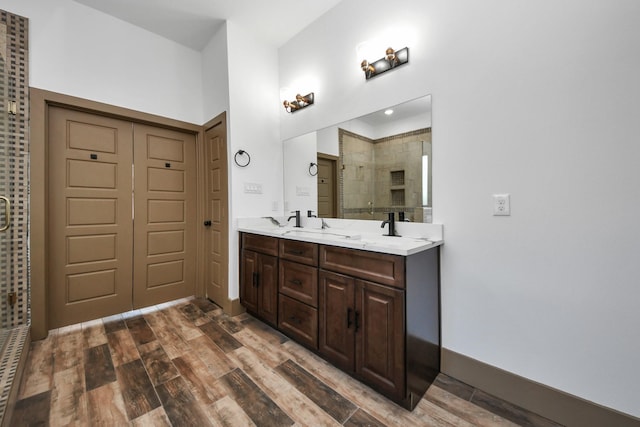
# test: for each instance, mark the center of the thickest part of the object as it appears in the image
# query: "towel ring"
(242, 153)
(311, 166)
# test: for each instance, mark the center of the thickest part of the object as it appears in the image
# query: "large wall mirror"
(364, 167)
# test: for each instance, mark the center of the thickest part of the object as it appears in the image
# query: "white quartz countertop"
(354, 234)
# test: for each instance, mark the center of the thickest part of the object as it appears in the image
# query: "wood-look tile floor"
(186, 363)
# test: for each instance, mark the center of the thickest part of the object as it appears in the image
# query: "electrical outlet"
(501, 205)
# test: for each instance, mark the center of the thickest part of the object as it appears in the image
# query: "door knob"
(207, 223)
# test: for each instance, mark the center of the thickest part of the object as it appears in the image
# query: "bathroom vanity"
(367, 303)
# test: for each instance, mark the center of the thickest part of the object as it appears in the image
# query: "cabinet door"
(249, 281)
(268, 288)
(380, 337)
(337, 316)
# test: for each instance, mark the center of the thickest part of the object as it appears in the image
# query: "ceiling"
(192, 23)
(417, 107)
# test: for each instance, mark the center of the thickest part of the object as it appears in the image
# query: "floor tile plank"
(180, 405)
(264, 331)
(38, 372)
(322, 395)
(229, 324)
(157, 363)
(294, 402)
(155, 418)
(68, 348)
(226, 413)
(362, 418)
(214, 359)
(123, 349)
(106, 407)
(186, 329)
(274, 355)
(220, 337)
(68, 398)
(174, 344)
(462, 408)
(193, 313)
(205, 305)
(203, 385)
(32, 411)
(98, 367)
(136, 388)
(511, 412)
(94, 333)
(254, 402)
(140, 331)
(453, 386)
(113, 323)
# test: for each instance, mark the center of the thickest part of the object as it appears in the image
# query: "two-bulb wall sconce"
(392, 60)
(299, 103)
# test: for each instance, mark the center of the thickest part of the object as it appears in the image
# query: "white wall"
(253, 127)
(79, 51)
(215, 73)
(540, 100)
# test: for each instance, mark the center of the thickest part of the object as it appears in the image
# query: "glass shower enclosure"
(14, 202)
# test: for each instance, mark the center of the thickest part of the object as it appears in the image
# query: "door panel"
(326, 188)
(336, 326)
(248, 280)
(165, 215)
(268, 288)
(216, 235)
(90, 223)
(380, 338)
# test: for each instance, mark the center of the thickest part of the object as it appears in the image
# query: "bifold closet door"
(90, 219)
(165, 215)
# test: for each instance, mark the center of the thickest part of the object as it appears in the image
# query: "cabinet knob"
(207, 223)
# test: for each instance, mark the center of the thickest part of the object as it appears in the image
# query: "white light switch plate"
(252, 188)
(501, 205)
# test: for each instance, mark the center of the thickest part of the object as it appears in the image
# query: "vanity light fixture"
(300, 102)
(392, 59)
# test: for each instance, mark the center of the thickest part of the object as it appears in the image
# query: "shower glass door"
(5, 197)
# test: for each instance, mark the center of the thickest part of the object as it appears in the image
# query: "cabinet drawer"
(381, 268)
(299, 281)
(299, 321)
(303, 252)
(263, 244)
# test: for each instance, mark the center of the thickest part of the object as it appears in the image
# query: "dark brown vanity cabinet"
(373, 315)
(259, 276)
(362, 323)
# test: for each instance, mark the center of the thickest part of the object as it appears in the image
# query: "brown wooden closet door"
(165, 215)
(216, 234)
(90, 223)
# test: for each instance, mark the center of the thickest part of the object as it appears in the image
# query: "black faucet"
(297, 217)
(392, 224)
(311, 215)
(402, 218)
